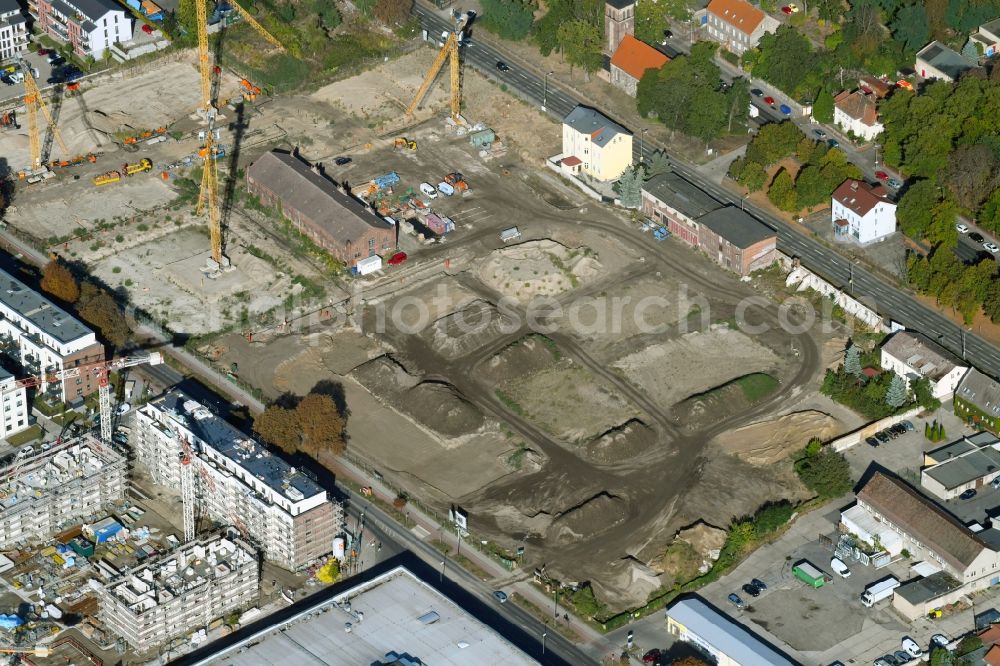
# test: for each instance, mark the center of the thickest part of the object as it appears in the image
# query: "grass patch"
(68, 417)
(509, 403)
(47, 409)
(516, 459)
(25, 436)
(757, 386)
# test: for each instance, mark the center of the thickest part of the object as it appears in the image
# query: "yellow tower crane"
(33, 100)
(449, 50)
(208, 195)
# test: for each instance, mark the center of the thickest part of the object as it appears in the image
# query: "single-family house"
(913, 356)
(986, 40)
(595, 145)
(737, 241)
(736, 24)
(977, 399)
(631, 60)
(862, 212)
(857, 113)
(869, 85)
(678, 204)
(937, 61)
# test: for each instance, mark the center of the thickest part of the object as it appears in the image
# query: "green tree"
(580, 43)
(972, 174)
(910, 27)
(826, 474)
(652, 18)
(852, 360)
(782, 192)
(895, 397)
(511, 19)
(914, 213)
(629, 187)
(812, 186)
(321, 424)
(187, 18)
(774, 141)
(786, 59)
(940, 657)
(750, 175)
(657, 165)
(823, 106)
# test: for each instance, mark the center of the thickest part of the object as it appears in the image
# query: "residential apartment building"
(42, 337)
(857, 113)
(937, 61)
(736, 241)
(595, 145)
(13, 29)
(913, 356)
(977, 400)
(676, 203)
(91, 26)
(13, 406)
(728, 642)
(736, 24)
(49, 490)
(183, 590)
(319, 208)
(861, 212)
(619, 21)
(238, 481)
(631, 60)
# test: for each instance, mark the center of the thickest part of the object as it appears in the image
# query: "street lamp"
(545, 89)
(642, 135)
(441, 575)
(743, 200)
(876, 155)
(543, 641)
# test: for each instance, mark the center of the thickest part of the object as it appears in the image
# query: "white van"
(445, 189)
(17, 77)
(839, 567)
(429, 190)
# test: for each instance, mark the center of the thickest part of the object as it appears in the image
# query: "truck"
(142, 165)
(661, 234)
(106, 178)
(386, 181)
(876, 592)
(809, 574)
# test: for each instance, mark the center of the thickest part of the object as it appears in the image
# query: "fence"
(847, 441)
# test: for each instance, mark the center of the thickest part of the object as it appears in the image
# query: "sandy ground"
(537, 269)
(663, 370)
(768, 442)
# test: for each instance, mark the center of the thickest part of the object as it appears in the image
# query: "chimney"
(854, 184)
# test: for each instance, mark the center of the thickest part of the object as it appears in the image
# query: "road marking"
(420, 532)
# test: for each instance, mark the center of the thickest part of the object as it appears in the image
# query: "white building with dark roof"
(90, 26)
(862, 212)
(912, 356)
(13, 29)
(238, 481)
(730, 643)
(595, 145)
(977, 399)
(937, 61)
(965, 464)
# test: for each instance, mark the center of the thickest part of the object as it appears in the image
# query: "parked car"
(889, 433)
(968, 494)
(940, 640)
(148, 29)
(902, 657)
(758, 583)
(961, 228)
(840, 568)
(882, 175)
(500, 596)
(652, 656)
(833, 143)
(341, 161)
(911, 647)
(871, 441)
(751, 590)
(428, 190)
(976, 237)
(757, 92)
(397, 259)
(769, 100)
(995, 483)
(889, 660)
(895, 183)
(735, 600)
(991, 248)
(43, 52)
(502, 66)
(786, 10)
(881, 662)
(899, 429)
(818, 132)
(908, 425)
(882, 437)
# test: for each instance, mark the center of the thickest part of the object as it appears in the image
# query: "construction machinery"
(9, 120)
(142, 165)
(250, 91)
(450, 50)
(107, 178)
(402, 143)
(208, 194)
(72, 162)
(457, 181)
(143, 135)
(34, 103)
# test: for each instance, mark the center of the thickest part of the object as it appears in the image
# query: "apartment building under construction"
(46, 489)
(237, 481)
(185, 589)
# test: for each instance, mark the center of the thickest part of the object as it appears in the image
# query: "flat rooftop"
(28, 303)
(966, 468)
(238, 446)
(926, 589)
(402, 616)
(44, 471)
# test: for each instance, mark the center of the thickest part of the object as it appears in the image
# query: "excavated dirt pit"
(468, 329)
(535, 269)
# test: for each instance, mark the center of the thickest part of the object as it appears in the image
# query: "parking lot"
(41, 63)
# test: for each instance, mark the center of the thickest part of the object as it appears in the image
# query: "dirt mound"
(436, 405)
(514, 521)
(537, 268)
(529, 354)
(766, 442)
(588, 519)
(721, 402)
(621, 442)
(468, 329)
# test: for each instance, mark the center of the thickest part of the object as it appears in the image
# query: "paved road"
(888, 300)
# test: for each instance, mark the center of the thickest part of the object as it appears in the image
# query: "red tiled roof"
(740, 14)
(858, 106)
(634, 57)
(572, 160)
(992, 657)
(857, 195)
(990, 635)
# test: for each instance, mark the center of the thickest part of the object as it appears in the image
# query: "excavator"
(402, 143)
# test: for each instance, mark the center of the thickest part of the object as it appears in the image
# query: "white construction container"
(368, 265)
